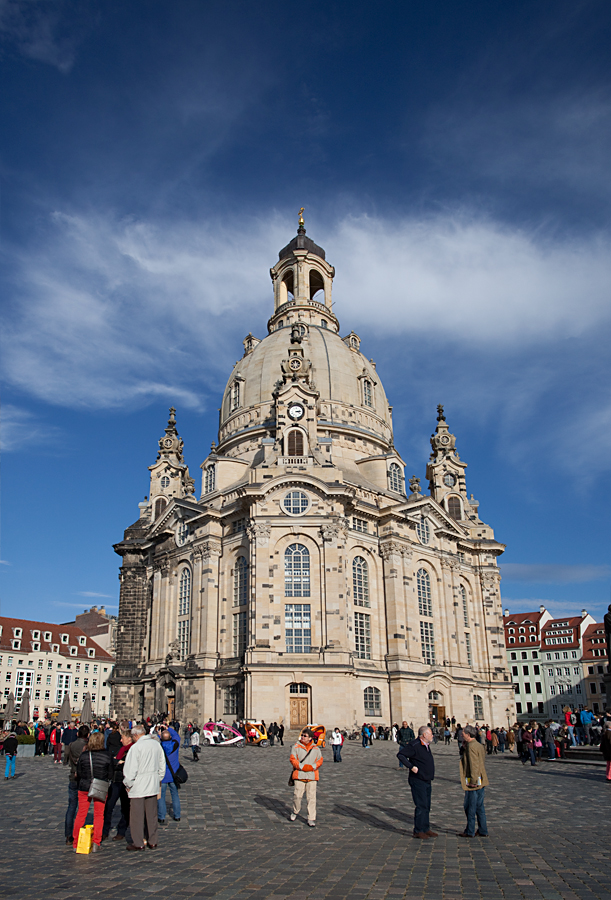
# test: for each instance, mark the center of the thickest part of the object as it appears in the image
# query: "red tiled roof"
(27, 626)
(520, 618)
(596, 631)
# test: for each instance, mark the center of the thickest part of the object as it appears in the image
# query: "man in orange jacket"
(306, 760)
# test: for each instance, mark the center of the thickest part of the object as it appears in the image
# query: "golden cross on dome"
(301, 222)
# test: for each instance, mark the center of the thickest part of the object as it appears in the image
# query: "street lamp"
(508, 713)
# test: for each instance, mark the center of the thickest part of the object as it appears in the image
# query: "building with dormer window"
(51, 661)
(307, 583)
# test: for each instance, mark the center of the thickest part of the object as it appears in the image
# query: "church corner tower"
(305, 583)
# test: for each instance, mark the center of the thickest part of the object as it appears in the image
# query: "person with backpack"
(41, 740)
(55, 741)
(365, 735)
(170, 743)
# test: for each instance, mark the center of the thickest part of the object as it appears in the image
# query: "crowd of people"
(133, 765)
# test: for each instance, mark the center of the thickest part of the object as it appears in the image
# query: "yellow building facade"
(307, 583)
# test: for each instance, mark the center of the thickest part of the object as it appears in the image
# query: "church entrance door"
(299, 712)
(437, 714)
(171, 708)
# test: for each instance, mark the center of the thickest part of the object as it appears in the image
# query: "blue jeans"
(571, 730)
(551, 750)
(421, 794)
(72, 808)
(161, 807)
(337, 752)
(474, 807)
(9, 769)
(365, 741)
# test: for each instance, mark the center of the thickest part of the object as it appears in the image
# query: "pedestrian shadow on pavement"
(397, 814)
(366, 818)
(282, 809)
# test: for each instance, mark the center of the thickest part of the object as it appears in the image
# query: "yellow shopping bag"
(85, 838)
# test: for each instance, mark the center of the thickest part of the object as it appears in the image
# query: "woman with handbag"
(93, 772)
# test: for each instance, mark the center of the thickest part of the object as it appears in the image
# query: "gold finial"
(301, 222)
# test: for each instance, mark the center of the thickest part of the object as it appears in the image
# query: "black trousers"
(421, 794)
(116, 792)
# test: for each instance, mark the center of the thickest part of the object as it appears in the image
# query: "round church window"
(165, 482)
(295, 503)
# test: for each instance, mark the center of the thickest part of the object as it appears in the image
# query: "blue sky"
(452, 160)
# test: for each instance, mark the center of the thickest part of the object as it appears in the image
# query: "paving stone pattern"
(549, 833)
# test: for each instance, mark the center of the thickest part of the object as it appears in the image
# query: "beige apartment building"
(51, 661)
(307, 583)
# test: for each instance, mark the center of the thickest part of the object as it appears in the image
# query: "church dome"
(304, 347)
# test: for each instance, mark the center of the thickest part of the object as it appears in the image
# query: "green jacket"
(472, 766)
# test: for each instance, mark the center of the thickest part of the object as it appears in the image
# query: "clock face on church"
(296, 411)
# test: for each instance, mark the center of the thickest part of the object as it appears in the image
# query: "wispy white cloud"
(20, 428)
(77, 605)
(115, 312)
(92, 594)
(554, 573)
(4, 562)
(40, 31)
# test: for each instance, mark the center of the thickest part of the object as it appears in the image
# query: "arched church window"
(478, 706)
(184, 609)
(210, 479)
(423, 581)
(360, 581)
(240, 582)
(184, 593)
(368, 396)
(160, 505)
(465, 609)
(299, 688)
(372, 699)
(323, 323)
(296, 571)
(235, 396)
(295, 442)
(454, 508)
(281, 323)
(395, 478)
(423, 531)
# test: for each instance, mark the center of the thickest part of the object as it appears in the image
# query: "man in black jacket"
(418, 758)
(404, 736)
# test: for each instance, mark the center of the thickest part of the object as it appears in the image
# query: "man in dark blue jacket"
(418, 759)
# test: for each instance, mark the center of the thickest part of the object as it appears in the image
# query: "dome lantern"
(303, 281)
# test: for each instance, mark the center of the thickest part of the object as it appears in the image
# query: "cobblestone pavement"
(549, 834)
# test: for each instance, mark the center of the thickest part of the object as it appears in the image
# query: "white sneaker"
(293, 817)
(311, 823)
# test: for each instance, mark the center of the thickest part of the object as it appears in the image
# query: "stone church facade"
(307, 583)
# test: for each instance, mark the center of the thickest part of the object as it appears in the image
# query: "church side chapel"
(308, 583)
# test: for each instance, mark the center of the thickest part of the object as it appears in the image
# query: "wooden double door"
(299, 712)
(437, 714)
